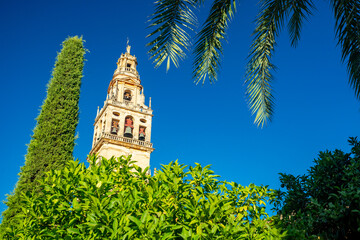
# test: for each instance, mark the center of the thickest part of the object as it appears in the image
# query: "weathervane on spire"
(128, 46)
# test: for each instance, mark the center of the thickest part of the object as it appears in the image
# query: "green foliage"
(174, 21)
(118, 200)
(52, 142)
(326, 202)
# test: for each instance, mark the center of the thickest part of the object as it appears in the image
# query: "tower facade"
(123, 125)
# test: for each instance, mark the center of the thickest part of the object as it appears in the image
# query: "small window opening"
(128, 65)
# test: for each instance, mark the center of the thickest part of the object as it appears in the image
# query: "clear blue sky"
(211, 124)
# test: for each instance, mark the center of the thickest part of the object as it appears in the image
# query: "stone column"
(116, 91)
(121, 92)
(108, 120)
(95, 134)
(121, 124)
(136, 94)
(136, 127)
(148, 129)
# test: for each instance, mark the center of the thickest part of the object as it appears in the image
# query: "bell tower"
(123, 125)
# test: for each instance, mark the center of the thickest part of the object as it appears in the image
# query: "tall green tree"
(52, 142)
(325, 203)
(173, 21)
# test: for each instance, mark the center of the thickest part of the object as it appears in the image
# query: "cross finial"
(128, 46)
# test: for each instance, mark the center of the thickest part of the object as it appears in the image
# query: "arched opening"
(127, 95)
(128, 127)
(114, 126)
(142, 133)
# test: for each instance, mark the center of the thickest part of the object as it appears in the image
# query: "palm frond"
(209, 48)
(347, 16)
(258, 72)
(300, 9)
(171, 20)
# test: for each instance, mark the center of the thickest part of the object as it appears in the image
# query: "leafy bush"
(118, 200)
(325, 203)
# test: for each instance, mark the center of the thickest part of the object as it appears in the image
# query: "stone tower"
(123, 125)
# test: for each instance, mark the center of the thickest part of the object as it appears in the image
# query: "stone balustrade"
(125, 139)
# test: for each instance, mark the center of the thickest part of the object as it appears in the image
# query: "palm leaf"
(258, 73)
(208, 45)
(300, 9)
(347, 16)
(171, 20)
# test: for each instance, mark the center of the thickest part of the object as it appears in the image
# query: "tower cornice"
(125, 79)
(125, 106)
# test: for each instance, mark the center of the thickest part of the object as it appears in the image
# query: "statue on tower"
(128, 46)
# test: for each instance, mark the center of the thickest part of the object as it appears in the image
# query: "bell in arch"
(113, 130)
(142, 134)
(114, 127)
(128, 127)
(127, 96)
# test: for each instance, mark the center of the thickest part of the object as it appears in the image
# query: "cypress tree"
(52, 142)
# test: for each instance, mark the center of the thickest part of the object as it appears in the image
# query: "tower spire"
(126, 65)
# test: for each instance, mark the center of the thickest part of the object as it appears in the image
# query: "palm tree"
(173, 20)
